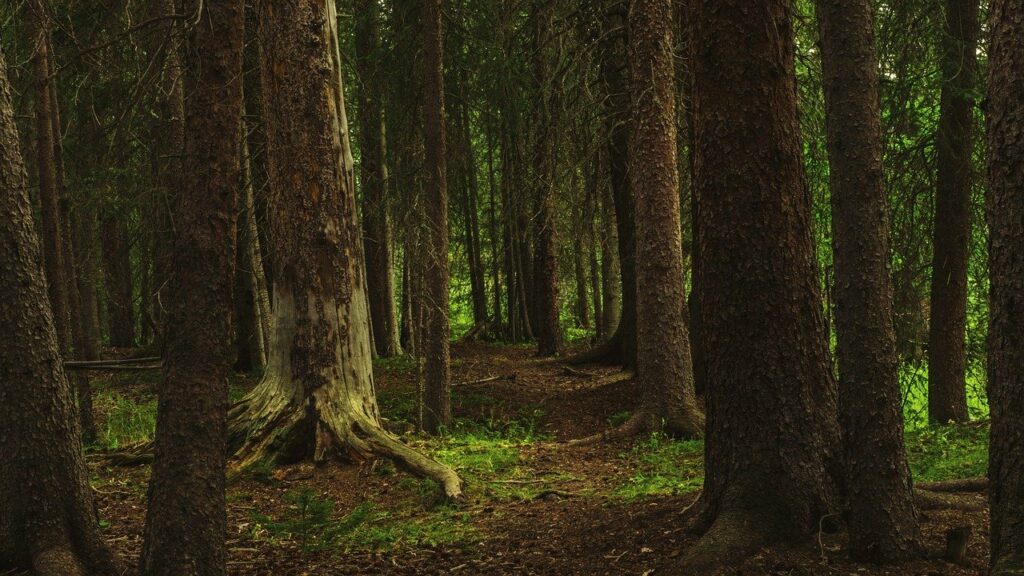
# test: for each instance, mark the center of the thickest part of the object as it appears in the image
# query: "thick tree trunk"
(947, 388)
(1005, 210)
(186, 519)
(374, 179)
(883, 522)
(48, 520)
(437, 401)
(664, 369)
(118, 278)
(316, 398)
(772, 431)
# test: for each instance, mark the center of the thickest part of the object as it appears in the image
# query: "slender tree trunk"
(118, 278)
(772, 431)
(186, 519)
(611, 272)
(87, 274)
(495, 242)
(53, 247)
(374, 179)
(48, 520)
(251, 246)
(883, 522)
(947, 388)
(664, 369)
(478, 287)
(316, 398)
(1005, 211)
(437, 400)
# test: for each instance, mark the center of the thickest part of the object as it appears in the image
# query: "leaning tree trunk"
(374, 179)
(947, 388)
(664, 369)
(1005, 210)
(883, 522)
(437, 373)
(317, 397)
(48, 520)
(771, 401)
(186, 519)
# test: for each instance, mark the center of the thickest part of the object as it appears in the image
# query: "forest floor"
(535, 505)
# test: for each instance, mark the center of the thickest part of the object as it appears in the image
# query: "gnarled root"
(268, 428)
(608, 352)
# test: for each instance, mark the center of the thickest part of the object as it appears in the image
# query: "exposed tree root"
(266, 427)
(928, 500)
(608, 353)
(641, 422)
(734, 536)
(979, 484)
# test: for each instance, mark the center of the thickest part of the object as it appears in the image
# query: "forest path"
(535, 505)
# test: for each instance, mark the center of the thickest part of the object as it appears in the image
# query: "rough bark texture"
(250, 245)
(664, 369)
(947, 388)
(373, 176)
(1005, 212)
(437, 393)
(317, 396)
(772, 428)
(883, 522)
(48, 521)
(186, 520)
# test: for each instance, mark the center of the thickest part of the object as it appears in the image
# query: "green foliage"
(127, 422)
(664, 466)
(914, 387)
(311, 522)
(948, 452)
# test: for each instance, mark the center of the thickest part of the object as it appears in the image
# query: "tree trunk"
(883, 522)
(317, 397)
(611, 272)
(186, 519)
(118, 278)
(947, 388)
(772, 427)
(437, 401)
(48, 520)
(664, 369)
(374, 179)
(251, 246)
(53, 248)
(1005, 211)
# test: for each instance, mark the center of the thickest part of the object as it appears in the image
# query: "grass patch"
(310, 521)
(127, 422)
(948, 452)
(663, 466)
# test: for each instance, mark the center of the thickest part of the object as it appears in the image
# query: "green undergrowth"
(127, 422)
(914, 388)
(948, 452)
(662, 466)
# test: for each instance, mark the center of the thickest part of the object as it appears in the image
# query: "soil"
(579, 528)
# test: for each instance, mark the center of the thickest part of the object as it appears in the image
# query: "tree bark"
(251, 246)
(772, 430)
(48, 520)
(664, 368)
(947, 388)
(437, 401)
(316, 398)
(186, 519)
(1005, 212)
(883, 522)
(373, 173)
